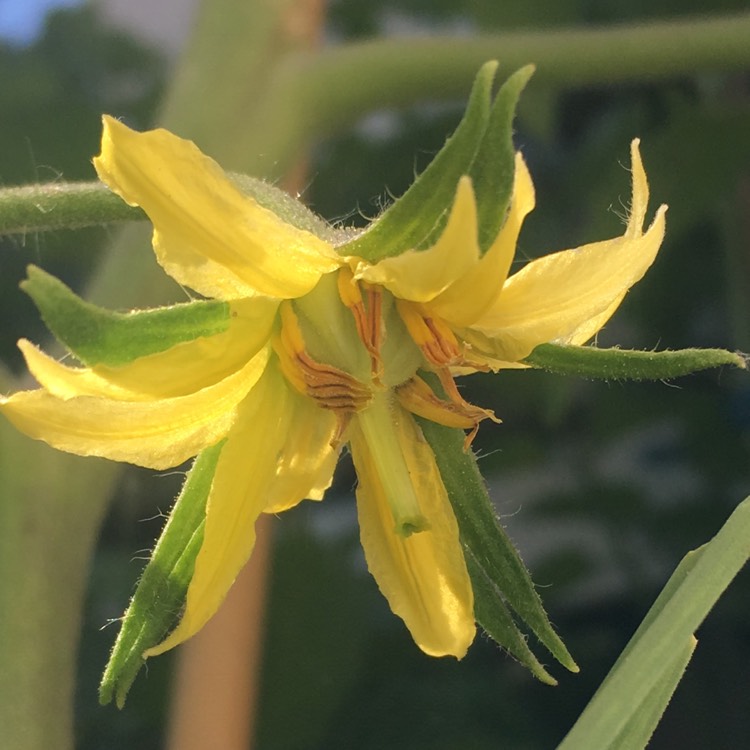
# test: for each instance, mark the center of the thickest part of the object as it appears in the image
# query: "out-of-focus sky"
(164, 24)
(22, 20)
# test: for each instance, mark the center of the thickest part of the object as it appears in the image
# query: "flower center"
(355, 350)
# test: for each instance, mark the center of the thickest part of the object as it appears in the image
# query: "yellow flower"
(322, 350)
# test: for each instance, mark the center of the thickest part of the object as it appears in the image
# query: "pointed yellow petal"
(567, 297)
(192, 365)
(158, 433)
(306, 463)
(207, 234)
(468, 298)
(421, 275)
(65, 382)
(185, 368)
(244, 477)
(639, 203)
(484, 350)
(424, 575)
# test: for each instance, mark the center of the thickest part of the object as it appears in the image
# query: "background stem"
(50, 511)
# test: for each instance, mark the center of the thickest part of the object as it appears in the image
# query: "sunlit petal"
(421, 275)
(207, 234)
(424, 575)
(639, 202)
(66, 382)
(468, 298)
(245, 475)
(158, 433)
(307, 460)
(567, 297)
(178, 371)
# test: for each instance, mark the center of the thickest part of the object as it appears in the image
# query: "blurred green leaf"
(655, 657)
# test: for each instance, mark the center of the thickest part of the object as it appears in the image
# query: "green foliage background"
(604, 487)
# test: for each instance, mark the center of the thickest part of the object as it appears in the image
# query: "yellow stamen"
(436, 340)
(367, 318)
(417, 396)
(330, 387)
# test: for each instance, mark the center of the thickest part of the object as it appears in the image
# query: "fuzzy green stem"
(66, 205)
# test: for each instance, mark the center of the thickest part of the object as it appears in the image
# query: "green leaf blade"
(643, 722)
(650, 665)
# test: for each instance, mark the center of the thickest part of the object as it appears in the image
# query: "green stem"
(295, 102)
(303, 105)
(66, 205)
(49, 514)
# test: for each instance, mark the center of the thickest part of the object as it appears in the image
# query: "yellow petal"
(158, 433)
(305, 465)
(484, 350)
(424, 575)
(567, 297)
(468, 298)
(245, 476)
(639, 203)
(183, 369)
(421, 275)
(65, 382)
(207, 234)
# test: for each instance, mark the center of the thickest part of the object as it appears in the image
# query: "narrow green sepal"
(419, 215)
(160, 594)
(288, 208)
(625, 364)
(498, 575)
(493, 615)
(493, 169)
(98, 336)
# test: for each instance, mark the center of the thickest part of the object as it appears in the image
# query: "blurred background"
(603, 486)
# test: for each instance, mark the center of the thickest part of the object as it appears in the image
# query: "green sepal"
(98, 336)
(493, 170)
(496, 619)
(499, 578)
(160, 595)
(419, 215)
(625, 364)
(288, 208)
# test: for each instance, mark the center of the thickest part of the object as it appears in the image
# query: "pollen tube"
(379, 426)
